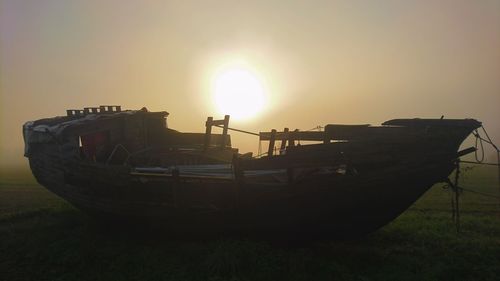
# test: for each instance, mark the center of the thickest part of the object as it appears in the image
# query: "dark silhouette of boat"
(350, 180)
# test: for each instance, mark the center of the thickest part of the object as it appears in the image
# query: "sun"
(239, 92)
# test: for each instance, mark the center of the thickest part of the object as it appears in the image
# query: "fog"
(322, 61)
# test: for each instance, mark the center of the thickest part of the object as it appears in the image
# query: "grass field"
(44, 238)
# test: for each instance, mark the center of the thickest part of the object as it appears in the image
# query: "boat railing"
(223, 123)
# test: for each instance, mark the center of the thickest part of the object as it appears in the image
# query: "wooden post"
(283, 141)
(291, 138)
(208, 132)
(326, 136)
(224, 131)
(272, 140)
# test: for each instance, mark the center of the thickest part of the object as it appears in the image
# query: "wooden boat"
(350, 179)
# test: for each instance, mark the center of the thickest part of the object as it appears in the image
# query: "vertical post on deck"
(224, 131)
(272, 140)
(326, 136)
(292, 137)
(283, 141)
(208, 132)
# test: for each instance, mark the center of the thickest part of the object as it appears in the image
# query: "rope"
(238, 130)
(480, 141)
(455, 210)
(454, 202)
(479, 160)
(489, 139)
(496, 148)
(480, 193)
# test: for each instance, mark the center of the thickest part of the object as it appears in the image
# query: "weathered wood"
(291, 138)
(295, 135)
(272, 139)
(356, 132)
(224, 131)
(332, 132)
(465, 151)
(208, 132)
(304, 192)
(284, 140)
(344, 132)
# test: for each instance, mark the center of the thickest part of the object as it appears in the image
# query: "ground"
(44, 238)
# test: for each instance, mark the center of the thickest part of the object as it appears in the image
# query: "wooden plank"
(272, 139)
(346, 132)
(295, 135)
(466, 151)
(355, 153)
(350, 132)
(283, 141)
(224, 131)
(208, 132)
(332, 132)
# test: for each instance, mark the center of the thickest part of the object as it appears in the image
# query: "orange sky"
(322, 61)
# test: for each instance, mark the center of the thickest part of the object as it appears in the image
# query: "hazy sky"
(321, 61)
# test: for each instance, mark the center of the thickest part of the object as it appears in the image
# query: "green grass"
(44, 238)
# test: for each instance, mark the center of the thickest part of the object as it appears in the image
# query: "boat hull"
(125, 167)
(321, 207)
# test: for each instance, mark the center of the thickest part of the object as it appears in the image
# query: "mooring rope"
(456, 189)
(489, 141)
(480, 161)
(238, 130)
(480, 193)
(479, 141)
(498, 152)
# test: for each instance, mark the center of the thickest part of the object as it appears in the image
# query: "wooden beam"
(272, 139)
(284, 140)
(466, 151)
(291, 138)
(332, 132)
(295, 135)
(224, 131)
(208, 132)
